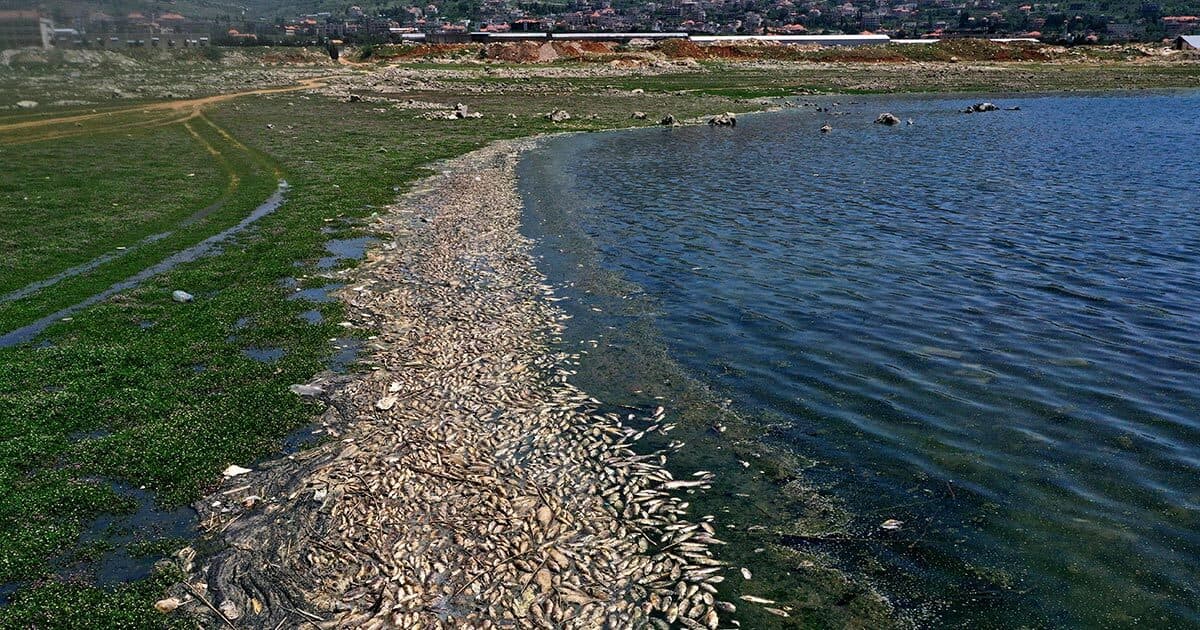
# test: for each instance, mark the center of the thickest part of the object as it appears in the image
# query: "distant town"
(84, 25)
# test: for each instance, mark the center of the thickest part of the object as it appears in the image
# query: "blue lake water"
(986, 326)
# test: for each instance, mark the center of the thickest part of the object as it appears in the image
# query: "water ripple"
(1008, 302)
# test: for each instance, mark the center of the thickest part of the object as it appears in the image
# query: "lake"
(984, 326)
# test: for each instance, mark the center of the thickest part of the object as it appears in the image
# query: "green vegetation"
(47, 183)
(149, 392)
(138, 188)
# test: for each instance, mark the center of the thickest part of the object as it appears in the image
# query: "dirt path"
(193, 105)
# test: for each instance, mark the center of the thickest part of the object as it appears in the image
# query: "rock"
(354, 98)
(887, 118)
(385, 403)
(980, 107)
(728, 119)
(826, 128)
(558, 115)
(954, 60)
(668, 121)
(181, 296)
(746, 574)
(639, 116)
(235, 470)
(27, 104)
(309, 391)
(167, 605)
(637, 91)
(1014, 108)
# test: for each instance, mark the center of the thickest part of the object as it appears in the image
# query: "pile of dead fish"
(470, 484)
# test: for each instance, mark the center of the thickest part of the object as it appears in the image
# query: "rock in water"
(181, 296)
(668, 121)
(727, 119)
(558, 115)
(826, 128)
(980, 107)
(887, 118)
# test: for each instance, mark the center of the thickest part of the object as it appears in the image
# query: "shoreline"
(219, 370)
(521, 502)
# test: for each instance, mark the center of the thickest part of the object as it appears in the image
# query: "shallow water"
(342, 249)
(985, 326)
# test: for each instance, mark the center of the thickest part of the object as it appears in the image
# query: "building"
(1187, 42)
(1181, 24)
(25, 29)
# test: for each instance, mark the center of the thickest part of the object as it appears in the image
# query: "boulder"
(980, 107)
(354, 98)
(181, 296)
(826, 128)
(727, 119)
(27, 104)
(668, 121)
(887, 118)
(558, 115)
(639, 115)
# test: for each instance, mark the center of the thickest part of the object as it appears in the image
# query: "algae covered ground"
(115, 417)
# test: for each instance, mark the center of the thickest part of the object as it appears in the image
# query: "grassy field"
(169, 176)
(143, 392)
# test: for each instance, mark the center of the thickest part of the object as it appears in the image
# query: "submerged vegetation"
(143, 391)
